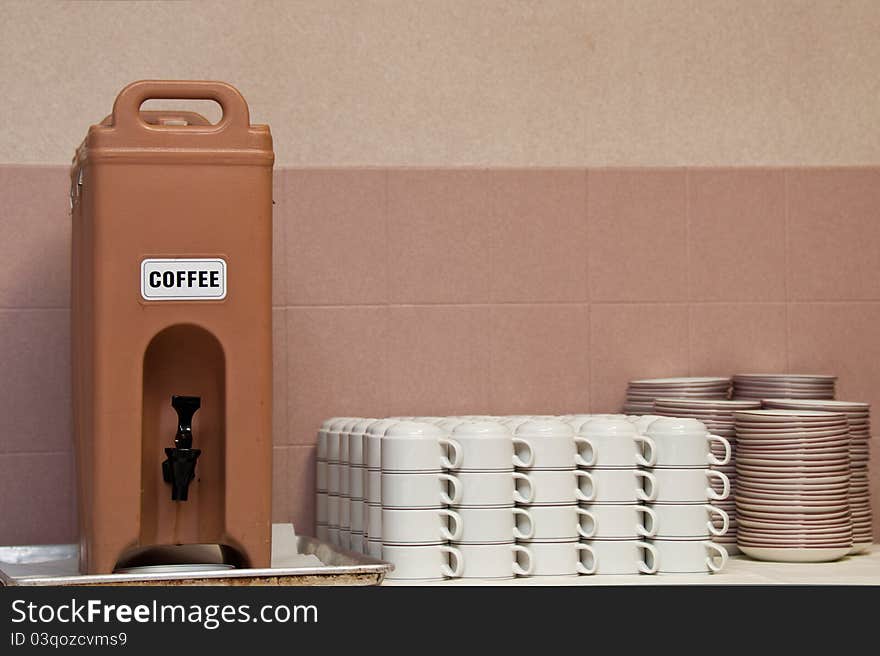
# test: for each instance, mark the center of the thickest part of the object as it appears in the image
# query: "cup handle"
(711, 457)
(580, 527)
(643, 530)
(725, 520)
(578, 492)
(721, 476)
(453, 449)
(641, 492)
(454, 554)
(644, 567)
(529, 459)
(518, 569)
(584, 569)
(454, 519)
(520, 535)
(455, 485)
(518, 496)
(710, 561)
(648, 446)
(578, 458)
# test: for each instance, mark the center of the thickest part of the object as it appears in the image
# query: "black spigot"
(179, 469)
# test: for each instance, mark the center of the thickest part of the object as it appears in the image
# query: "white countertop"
(863, 569)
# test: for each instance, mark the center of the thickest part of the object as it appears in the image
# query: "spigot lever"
(179, 468)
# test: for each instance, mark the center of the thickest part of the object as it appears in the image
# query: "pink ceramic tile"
(34, 236)
(438, 360)
(300, 488)
(280, 218)
(35, 410)
(336, 236)
(638, 240)
(634, 341)
(336, 366)
(540, 247)
(280, 485)
(279, 376)
(736, 234)
(840, 339)
(540, 359)
(834, 234)
(727, 338)
(440, 234)
(36, 490)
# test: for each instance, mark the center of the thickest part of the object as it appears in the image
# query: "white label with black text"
(183, 279)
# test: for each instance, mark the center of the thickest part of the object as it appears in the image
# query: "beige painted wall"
(463, 82)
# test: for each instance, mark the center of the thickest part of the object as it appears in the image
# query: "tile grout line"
(786, 262)
(687, 259)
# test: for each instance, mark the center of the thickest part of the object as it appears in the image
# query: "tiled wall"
(425, 291)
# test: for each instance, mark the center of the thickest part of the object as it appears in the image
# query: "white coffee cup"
(494, 561)
(410, 446)
(357, 542)
(333, 478)
(560, 487)
(420, 526)
(332, 432)
(333, 510)
(643, 422)
(689, 556)
(686, 486)
(344, 480)
(374, 549)
(621, 486)
(333, 535)
(618, 521)
(321, 513)
(687, 520)
(489, 446)
(488, 525)
(621, 557)
(615, 443)
(684, 442)
(373, 442)
(373, 527)
(356, 437)
(356, 482)
(560, 558)
(374, 485)
(551, 443)
(562, 522)
(486, 489)
(344, 435)
(419, 490)
(321, 475)
(344, 513)
(322, 532)
(357, 515)
(345, 538)
(430, 562)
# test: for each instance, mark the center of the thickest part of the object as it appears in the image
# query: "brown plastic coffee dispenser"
(171, 327)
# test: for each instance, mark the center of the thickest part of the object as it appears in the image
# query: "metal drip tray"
(314, 563)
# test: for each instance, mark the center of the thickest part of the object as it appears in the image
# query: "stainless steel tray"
(58, 564)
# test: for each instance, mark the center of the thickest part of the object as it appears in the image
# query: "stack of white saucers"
(717, 417)
(858, 416)
(640, 394)
(792, 499)
(783, 386)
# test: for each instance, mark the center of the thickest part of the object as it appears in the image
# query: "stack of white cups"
(321, 519)
(356, 488)
(680, 492)
(372, 492)
(548, 453)
(333, 478)
(489, 489)
(416, 490)
(620, 522)
(345, 483)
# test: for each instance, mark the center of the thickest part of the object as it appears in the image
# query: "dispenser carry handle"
(126, 108)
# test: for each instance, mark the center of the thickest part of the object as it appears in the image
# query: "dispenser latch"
(179, 467)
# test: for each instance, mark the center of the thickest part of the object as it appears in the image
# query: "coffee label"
(183, 279)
